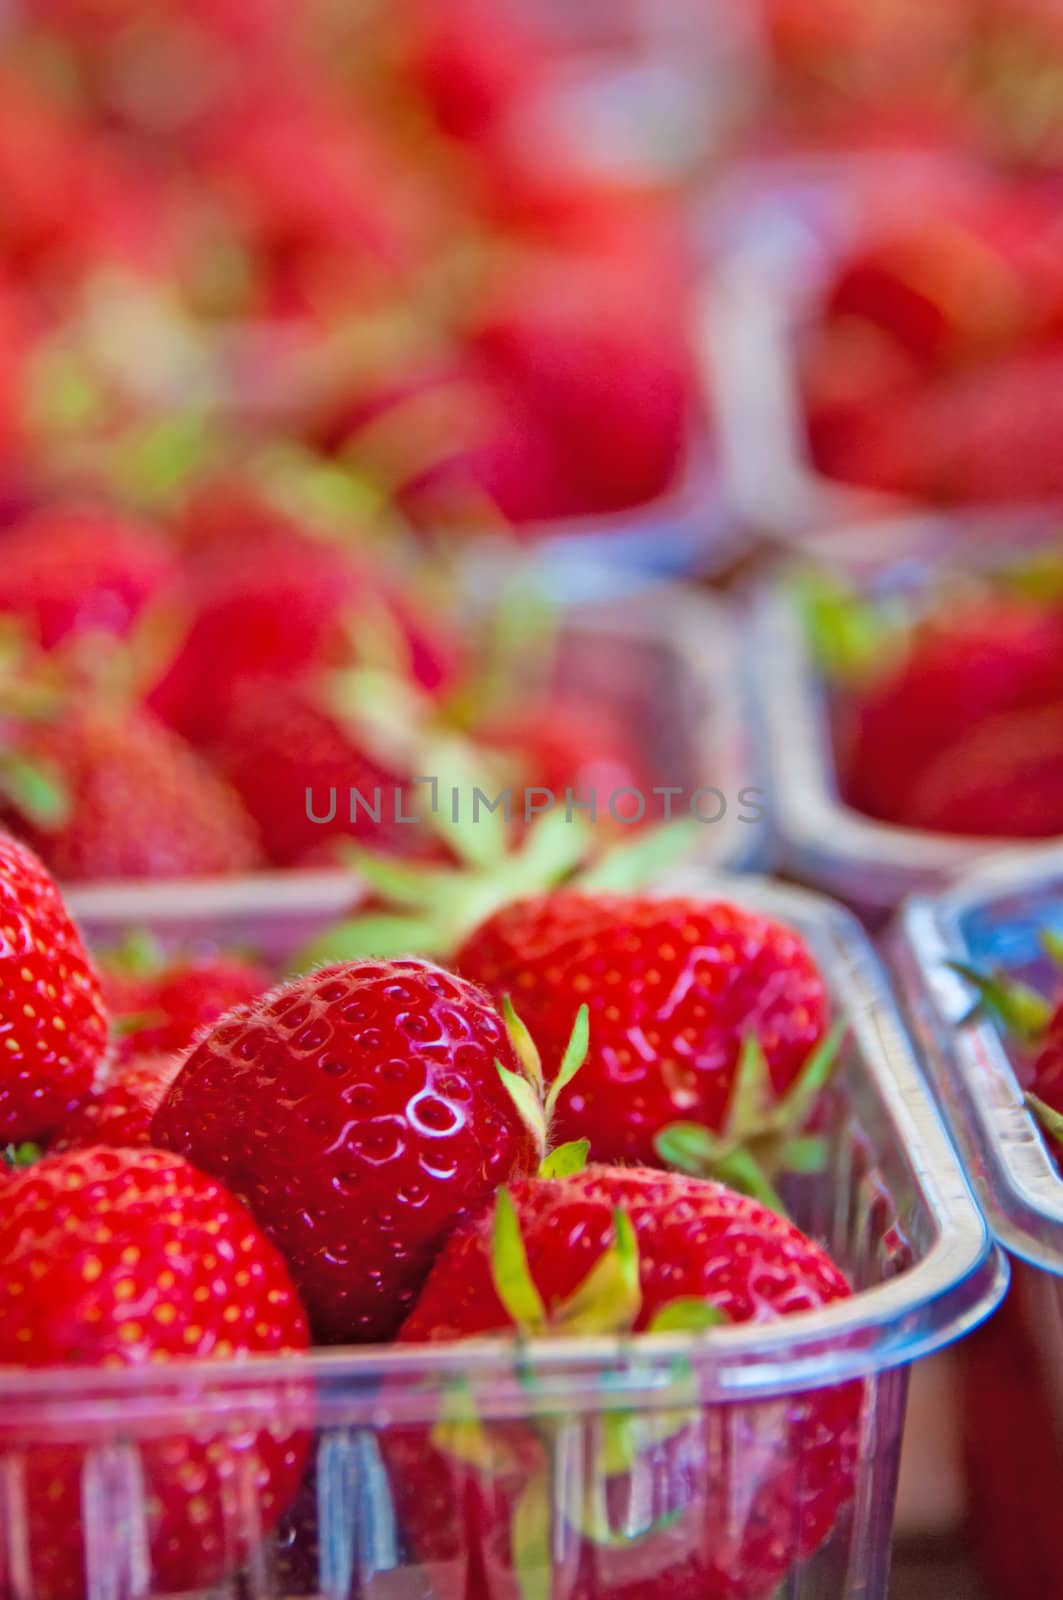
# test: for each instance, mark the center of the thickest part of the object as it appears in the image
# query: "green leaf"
(688, 1315)
(35, 789)
(552, 850)
(393, 880)
(633, 865)
(510, 1271)
(373, 934)
(1019, 1009)
(800, 1099)
(479, 841)
(18, 1156)
(523, 1045)
(130, 1022)
(566, 1159)
(138, 955)
(572, 1060)
(609, 1298)
(806, 1155)
(1049, 1120)
(689, 1147)
(1052, 944)
(847, 636)
(751, 1093)
(528, 1103)
(741, 1170)
(530, 1540)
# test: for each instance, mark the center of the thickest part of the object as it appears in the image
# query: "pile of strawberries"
(948, 716)
(933, 369)
(233, 226)
(377, 1151)
(980, 75)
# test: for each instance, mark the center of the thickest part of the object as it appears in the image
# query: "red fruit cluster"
(960, 728)
(933, 371)
(358, 1153)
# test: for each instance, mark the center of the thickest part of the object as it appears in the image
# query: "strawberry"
(162, 1005)
(70, 569)
(734, 1496)
(51, 1011)
(602, 365)
(1001, 778)
(470, 59)
(1034, 1025)
(680, 993)
(133, 800)
(121, 1258)
(271, 602)
(118, 1113)
(974, 660)
(359, 1112)
(281, 744)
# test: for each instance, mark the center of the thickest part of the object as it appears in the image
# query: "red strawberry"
(1002, 778)
(360, 1113)
(734, 1495)
(121, 1258)
(174, 1002)
(470, 59)
(281, 744)
(676, 989)
(981, 437)
(272, 603)
(73, 570)
(137, 801)
(52, 1020)
(602, 365)
(964, 664)
(119, 1111)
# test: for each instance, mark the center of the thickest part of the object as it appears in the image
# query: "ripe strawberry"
(602, 366)
(959, 667)
(171, 1003)
(1002, 778)
(51, 1012)
(270, 602)
(118, 1113)
(735, 1494)
(470, 60)
(678, 989)
(136, 801)
(74, 570)
(360, 1113)
(280, 744)
(121, 1258)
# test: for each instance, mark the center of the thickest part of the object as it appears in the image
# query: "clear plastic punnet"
(776, 231)
(663, 660)
(870, 864)
(753, 1462)
(993, 918)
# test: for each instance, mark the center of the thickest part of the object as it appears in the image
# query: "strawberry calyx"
(1019, 1009)
(1047, 1118)
(18, 1156)
(763, 1135)
(527, 1089)
(849, 637)
(429, 911)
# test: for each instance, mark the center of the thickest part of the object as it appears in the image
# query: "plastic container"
(870, 864)
(667, 660)
(776, 232)
(1012, 1373)
(720, 1421)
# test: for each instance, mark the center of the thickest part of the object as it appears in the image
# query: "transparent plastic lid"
(994, 918)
